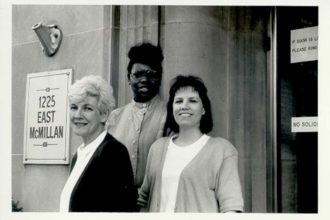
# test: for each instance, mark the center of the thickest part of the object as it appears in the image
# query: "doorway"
(297, 98)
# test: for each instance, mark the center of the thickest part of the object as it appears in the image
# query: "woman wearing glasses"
(139, 123)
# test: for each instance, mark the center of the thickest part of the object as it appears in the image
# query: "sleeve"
(145, 192)
(161, 127)
(127, 200)
(111, 120)
(115, 190)
(228, 189)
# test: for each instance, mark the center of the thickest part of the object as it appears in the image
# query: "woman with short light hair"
(101, 177)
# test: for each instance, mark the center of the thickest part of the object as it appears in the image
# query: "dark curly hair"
(206, 123)
(147, 54)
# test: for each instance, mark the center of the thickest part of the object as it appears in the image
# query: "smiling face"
(86, 119)
(187, 108)
(145, 82)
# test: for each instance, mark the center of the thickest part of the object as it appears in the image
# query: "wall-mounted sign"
(304, 124)
(46, 134)
(304, 44)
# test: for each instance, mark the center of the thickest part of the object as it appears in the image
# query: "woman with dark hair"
(191, 171)
(141, 122)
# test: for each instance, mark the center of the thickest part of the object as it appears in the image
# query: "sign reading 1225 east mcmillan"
(46, 134)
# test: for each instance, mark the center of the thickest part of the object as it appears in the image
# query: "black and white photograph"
(130, 109)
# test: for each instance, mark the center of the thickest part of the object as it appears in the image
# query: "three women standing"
(189, 171)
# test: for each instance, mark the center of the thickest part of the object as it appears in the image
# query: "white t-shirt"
(176, 159)
(84, 154)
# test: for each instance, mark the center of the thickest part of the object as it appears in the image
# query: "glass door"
(297, 144)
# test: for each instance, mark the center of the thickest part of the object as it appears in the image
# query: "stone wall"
(225, 46)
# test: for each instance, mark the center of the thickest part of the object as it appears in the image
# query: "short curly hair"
(147, 54)
(95, 86)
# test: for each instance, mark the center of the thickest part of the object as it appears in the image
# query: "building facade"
(241, 53)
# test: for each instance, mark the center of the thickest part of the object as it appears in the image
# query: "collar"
(145, 105)
(91, 147)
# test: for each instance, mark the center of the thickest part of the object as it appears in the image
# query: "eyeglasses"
(150, 74)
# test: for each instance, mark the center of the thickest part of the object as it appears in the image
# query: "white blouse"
(84, 154)
(177, 158)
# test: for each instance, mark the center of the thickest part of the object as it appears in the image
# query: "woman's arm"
(145, 188)
(228, 188)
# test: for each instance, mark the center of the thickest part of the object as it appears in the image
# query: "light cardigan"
(137, 126)
(209, 183)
